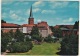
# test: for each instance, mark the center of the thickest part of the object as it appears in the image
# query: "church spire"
(31, 15)
(31, 19)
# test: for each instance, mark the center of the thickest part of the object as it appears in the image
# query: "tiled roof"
(28, 25)
(42, 28)
(9, 25)
(66, 26)
(69, 26)
(57, 26)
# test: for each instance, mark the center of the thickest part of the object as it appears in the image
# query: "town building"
(67, 29)
(42, 26)
(26, 28)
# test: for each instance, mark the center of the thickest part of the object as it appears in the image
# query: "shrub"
(20, 46)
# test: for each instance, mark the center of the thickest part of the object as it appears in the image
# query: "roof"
(9, 25)
(57, 26)
(42, 23)
(68, 29)
(28, 25)
(64, 29)
(66, 26)
(42, 28)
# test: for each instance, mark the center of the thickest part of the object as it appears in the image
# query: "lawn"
(43, 49)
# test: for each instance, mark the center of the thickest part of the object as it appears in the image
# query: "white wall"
(24, 29)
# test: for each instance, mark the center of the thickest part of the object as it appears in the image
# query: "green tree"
(19, 36)
(48, 39)
(76, 25)
(5, 39)
(35, 34)
(11, 33)
(2, 21)
(69, 45)
(56, 32)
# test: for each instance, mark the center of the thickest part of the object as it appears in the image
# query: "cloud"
(36, 10)
(28, 11)
(48, 11)
(59, 4)
(39, 20)
(21, 3)
(68, 20)
(65, 23)
(16, 11)
(14, 16)
(4, 15)
(38, 3)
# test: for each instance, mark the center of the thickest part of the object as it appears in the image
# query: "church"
(26, 28)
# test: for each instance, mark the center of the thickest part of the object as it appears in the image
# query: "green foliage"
(48, 39)
(76, 25)
(45, 49)
(35, 34)
(21, 46)
(56, 32)
(27, 38)
(5, 39)
(52, 28)
(2, 21)
(69, 45)
(35, 30)
(37, 37)
(19, 36)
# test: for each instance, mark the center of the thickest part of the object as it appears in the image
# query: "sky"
(53, 12)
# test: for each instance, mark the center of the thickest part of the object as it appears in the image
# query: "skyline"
(53, 12)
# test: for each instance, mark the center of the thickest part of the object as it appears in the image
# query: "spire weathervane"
(31, 15)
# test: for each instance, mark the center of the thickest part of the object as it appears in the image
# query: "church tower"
(31, 19)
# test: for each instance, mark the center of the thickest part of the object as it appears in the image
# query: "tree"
(19, 36)
(35, 34)
(69, 45)
(5, 39)
(52, 28)
(11, 33)
(48, 39)
(76, 25)
(35, 31)
(21, 46)
(58, 33)
(2, 21)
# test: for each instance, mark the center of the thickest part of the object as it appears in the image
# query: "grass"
(43, 49)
